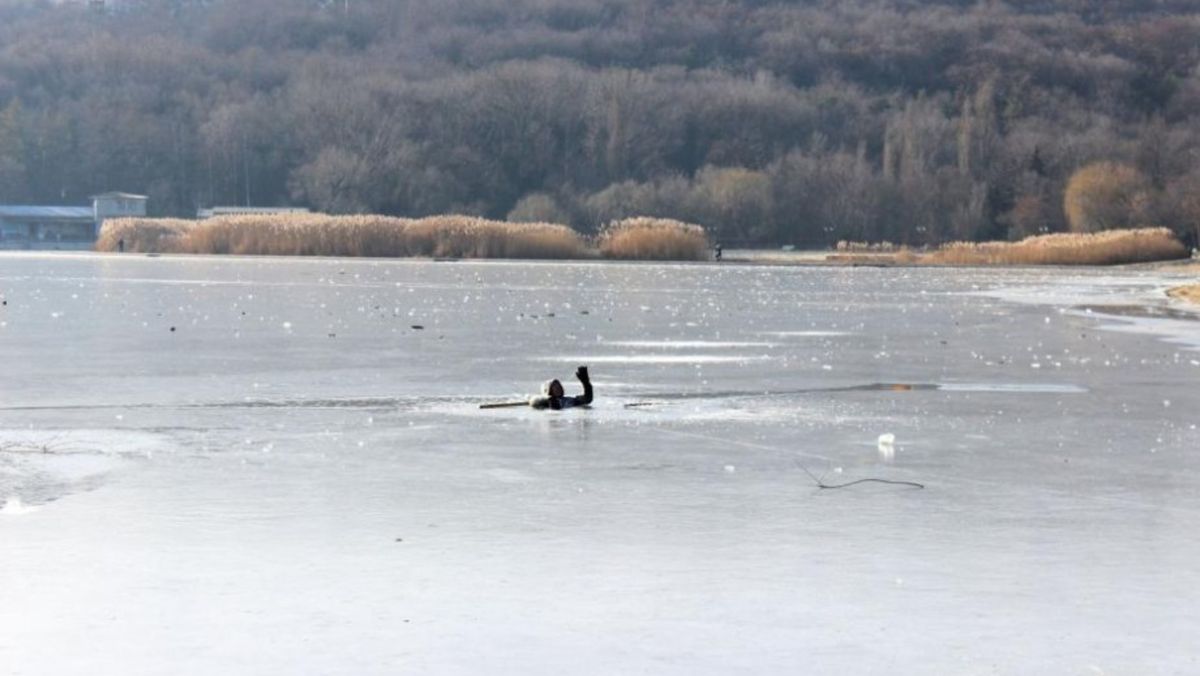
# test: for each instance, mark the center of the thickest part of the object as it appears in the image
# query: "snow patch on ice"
(14, 507)
(41, 466)
(1087, 297)
(1175, 331)
(1080, 291)
(112, 442)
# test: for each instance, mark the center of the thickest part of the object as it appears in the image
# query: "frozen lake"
(256, 466)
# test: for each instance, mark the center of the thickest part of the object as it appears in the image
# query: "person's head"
(553, 389)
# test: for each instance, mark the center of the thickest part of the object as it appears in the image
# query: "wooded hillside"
(772, 122)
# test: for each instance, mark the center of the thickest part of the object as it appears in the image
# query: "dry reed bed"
(146, 235)
(1110, 247)
(1189, 293)
(660, 239)
(323, 235)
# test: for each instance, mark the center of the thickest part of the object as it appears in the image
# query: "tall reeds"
(323, 235)
(144, 235)
(470, 237)
(653, 239)
(386, 236)
(1109, 247)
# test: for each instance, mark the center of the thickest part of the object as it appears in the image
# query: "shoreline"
(761, 257)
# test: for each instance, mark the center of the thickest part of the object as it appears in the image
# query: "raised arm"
(586, 398)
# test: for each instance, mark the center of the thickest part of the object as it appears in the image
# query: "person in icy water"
(553, 397)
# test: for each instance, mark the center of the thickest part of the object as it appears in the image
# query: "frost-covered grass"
(325, 235)
(1110, 247)
(653, 239)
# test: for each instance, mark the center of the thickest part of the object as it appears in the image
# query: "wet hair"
(549, 386)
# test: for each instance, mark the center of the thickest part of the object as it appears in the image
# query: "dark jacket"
(558, 403)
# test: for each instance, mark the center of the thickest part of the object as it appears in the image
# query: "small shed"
(117, 205)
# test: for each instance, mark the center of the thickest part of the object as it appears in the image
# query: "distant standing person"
(554, 398)
(717, 251)
(121, 245)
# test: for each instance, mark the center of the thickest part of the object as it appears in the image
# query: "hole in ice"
(655, 359)
(625, 395)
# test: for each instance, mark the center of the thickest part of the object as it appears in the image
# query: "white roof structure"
(119, 196)
(242, 211)
(47, 213)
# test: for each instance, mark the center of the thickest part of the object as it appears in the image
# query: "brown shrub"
(1106, 195)
(1110, 247)
(537, 208)
(653, 239)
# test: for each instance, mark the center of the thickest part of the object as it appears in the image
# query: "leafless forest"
(766, 121)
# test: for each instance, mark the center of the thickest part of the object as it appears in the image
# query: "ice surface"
(804, 334)
(295, 480)
(688, 344)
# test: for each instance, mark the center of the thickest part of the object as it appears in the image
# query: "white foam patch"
(688, 344)
(654, 359)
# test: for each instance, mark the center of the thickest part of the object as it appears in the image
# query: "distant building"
(117, 205)
(247, 211)
(52, 227)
